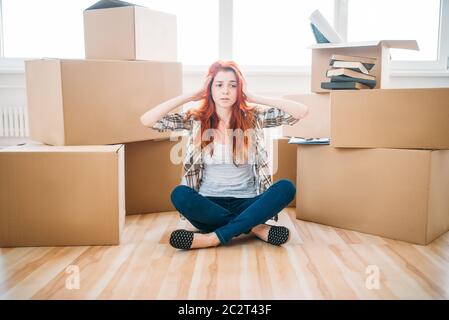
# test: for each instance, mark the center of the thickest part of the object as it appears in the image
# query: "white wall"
(12, 89)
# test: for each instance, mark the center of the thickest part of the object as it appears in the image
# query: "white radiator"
(13, 121)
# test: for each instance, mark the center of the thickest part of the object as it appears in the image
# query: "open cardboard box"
(322, 53)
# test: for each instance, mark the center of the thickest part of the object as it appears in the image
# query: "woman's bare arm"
(150, 117)
(295, 109)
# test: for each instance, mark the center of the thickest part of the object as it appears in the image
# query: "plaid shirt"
(193, 163)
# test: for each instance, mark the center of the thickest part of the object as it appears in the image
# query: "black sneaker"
(181, 239)
(278, 235)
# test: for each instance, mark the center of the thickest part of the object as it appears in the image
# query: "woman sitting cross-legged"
(226, 189)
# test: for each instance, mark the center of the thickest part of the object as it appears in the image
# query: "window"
(272, 34)
(45, 28)
(399, 19)
(197, 27)
(54, 28)
(278, 32)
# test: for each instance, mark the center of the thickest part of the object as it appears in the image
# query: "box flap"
(398, 44)
(401, 44)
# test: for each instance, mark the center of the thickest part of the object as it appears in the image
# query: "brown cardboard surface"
(394, 193)
(156, 35)
(284, 162)
(45, 101)
(93, 102)
(317, 123)
(153, 170)
(322, 53)
(130, 33)
(61, 197)
(390, 118)
(399, 44)
(438, 202)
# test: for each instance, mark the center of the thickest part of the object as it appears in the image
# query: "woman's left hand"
(249, 96)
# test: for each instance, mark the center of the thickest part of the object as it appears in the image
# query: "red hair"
(242, 116)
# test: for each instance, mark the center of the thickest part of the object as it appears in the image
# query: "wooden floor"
(319, 262)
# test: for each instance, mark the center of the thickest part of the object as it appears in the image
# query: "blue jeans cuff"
(220, 237)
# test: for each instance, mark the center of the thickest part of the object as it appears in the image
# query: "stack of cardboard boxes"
(69, 188)
(386, 171)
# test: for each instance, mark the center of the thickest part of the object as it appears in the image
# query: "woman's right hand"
(201, 94)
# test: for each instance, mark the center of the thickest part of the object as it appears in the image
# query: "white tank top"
(221, 178)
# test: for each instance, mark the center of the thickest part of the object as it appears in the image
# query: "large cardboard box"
(153, 170)
(317, 123)
(394, 193)
(322, 53)
(92, 102)
(130, 33)
(284, 162)
(390, 118)
(57, 196)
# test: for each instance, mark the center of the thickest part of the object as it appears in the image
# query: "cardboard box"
(153, 170)
(317, 123)
(91, 102)
(284, 162)
(393, 193)
(390, 118)
(130, 33)
(58, 196)
(322, 53)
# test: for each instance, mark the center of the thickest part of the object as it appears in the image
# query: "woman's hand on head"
(249, 96)
(201, 94)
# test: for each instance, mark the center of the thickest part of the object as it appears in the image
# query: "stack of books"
(350, 72)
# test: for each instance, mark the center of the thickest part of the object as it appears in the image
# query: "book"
(343, 85)
(367, 62)
(318, 35)
(324, 27)
(369, 83)
(298, 140)
(349, 73)
(356, 66)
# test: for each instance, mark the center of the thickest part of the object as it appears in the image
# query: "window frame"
(225, 38)
(414, 66)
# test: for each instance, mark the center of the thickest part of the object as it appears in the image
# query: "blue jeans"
(229, 217)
